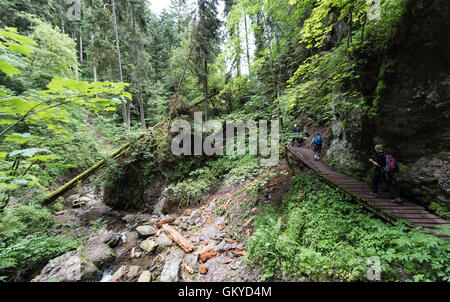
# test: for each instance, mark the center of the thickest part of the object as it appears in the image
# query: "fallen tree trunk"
(86, 174)
(178, 238)
(83, 176)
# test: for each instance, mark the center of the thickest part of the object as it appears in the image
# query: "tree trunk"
(81, 44)
(238, 59)
(206, 89)
(141, 102)
(116, 34)
(363, 28)
(94, 66)
(350, 24)
(83, 176)
(247, 46)
(272, 64)
(141, 107)
(277, 67)
(76, 63)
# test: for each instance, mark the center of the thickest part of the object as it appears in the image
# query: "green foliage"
(24, 243)
(32, 250)
(53, 55)
(48, 113)
(24, 219)
(322, 235)
(11, 40)
(316, 27)
(97, 225)
(318, 87)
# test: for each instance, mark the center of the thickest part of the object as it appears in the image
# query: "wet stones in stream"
(148, 245)
(99, 250)
(146, 230)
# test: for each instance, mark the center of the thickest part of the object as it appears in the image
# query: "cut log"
(120, 276)
(248, 222)
(206, 249)
(165, 221)
(178, 238)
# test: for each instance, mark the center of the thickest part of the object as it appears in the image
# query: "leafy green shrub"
(24, 219)
(31, 250)
(23, 242)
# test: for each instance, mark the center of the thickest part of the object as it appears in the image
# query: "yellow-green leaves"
(19, 138)
(21, 42)
(87, 89)
(8, 69)
(10, 39)
(42, 158)
(17, 106)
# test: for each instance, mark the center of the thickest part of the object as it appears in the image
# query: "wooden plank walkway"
(382, 205)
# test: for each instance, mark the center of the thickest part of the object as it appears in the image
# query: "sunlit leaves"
(10, 39)
(19, 138)
(42, 158)
(28, 152)
(8, 68)
(317, 26)
(17, 106)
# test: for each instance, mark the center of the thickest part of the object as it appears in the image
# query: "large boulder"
(100, 255)
(171, 270)
(69, 267)
(109, 238)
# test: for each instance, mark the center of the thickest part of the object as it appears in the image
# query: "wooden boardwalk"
(381, 205)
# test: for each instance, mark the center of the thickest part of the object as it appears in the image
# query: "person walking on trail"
(317, 144)
(296, 138)
(385, 166)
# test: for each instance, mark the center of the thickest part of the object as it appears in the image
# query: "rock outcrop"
(69, 267)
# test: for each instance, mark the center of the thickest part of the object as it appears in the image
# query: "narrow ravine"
(130, 247)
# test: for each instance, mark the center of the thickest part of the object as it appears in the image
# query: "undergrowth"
(318, 233)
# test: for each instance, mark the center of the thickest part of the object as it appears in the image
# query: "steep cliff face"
(415, 112)
(410, 85)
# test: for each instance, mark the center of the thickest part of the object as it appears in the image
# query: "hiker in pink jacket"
(380, 173)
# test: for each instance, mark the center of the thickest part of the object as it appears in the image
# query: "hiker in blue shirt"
(317, 144)
(380, 173)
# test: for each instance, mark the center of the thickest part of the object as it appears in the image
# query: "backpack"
(318, 140)
(392, 165)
